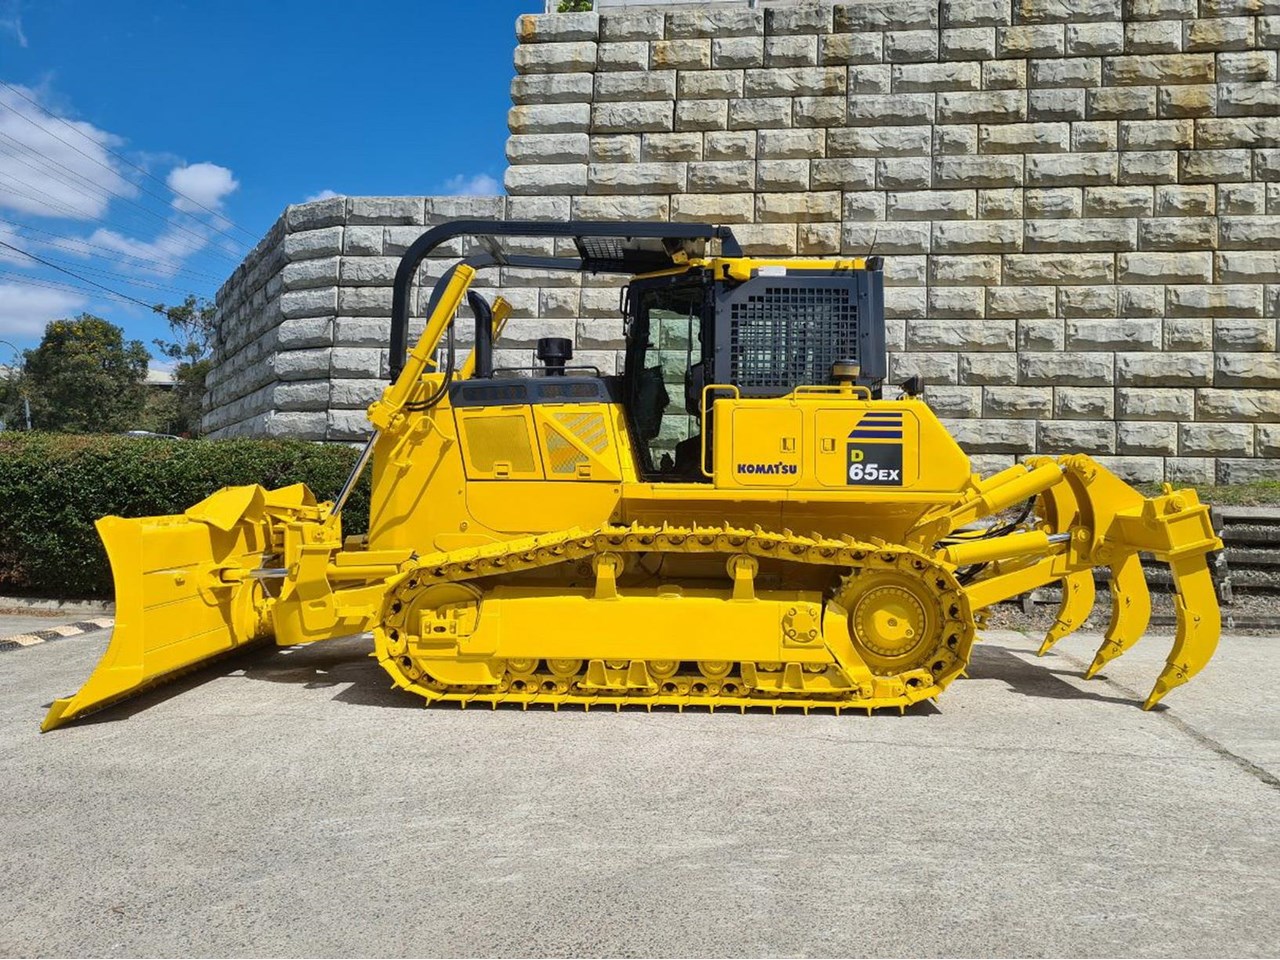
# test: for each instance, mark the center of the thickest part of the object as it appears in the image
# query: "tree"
(192, 326)
(84, 377)
(13, 398)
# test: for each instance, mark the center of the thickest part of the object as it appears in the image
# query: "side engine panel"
(823, 441)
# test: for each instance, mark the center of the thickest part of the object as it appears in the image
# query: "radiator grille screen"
(784, 336)
(500, 439)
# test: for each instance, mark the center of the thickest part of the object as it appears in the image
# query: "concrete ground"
(289, 803)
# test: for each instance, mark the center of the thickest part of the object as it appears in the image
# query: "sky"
(146, 146)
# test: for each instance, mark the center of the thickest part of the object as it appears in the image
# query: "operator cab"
(754, 327)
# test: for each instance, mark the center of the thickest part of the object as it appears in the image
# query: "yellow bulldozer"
(746, 516)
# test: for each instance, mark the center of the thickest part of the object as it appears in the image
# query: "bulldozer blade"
(1130, 612)
(182, 597)
(1078, 594)
(1197, 633)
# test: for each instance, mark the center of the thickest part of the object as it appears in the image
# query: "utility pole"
(26, 401)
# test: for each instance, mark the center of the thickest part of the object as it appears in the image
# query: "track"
(891, 627)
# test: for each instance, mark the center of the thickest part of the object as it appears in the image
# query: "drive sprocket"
(908, 616)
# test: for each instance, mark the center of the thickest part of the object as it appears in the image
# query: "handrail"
(851, 390)
(702, 437)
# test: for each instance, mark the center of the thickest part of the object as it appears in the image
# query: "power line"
(122, 277)
(103, 190)
(36, 281)
(50, 200)
(118, 156)
(93, 283)
(47, 284)
(28, 281)
(81, 185)
(123, 159)
(158, 269)
(45, 197)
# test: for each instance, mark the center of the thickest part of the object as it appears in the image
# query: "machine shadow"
(991, 661)
(343, 662)
(346, 662)
(168, 689)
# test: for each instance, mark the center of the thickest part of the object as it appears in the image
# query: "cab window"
(664, 363)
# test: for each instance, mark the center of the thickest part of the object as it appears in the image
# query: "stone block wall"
(1078, 202)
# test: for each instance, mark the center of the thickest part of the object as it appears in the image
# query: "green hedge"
(53, 487)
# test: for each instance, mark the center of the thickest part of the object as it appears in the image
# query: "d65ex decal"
(878, 464)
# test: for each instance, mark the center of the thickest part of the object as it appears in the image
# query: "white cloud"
(80, 179)
(200, 186)
(24, 310)
(322, 195)
(165, 253)
(476, 185)
(42, 175)
(11, 21)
